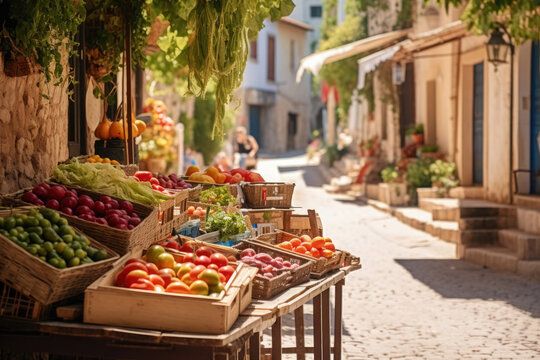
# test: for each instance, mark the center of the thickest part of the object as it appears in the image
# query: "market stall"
(131, 269)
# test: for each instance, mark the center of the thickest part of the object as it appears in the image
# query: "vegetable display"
(47, 235)
(105, 211)
(227, 224)
(318, 247)
(161, 182)
(107, 179)
(268, 266)
(217, 195)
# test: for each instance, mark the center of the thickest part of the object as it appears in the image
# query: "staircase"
(493, 235)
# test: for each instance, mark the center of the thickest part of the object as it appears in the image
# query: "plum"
(99, 208)
(105, 199)
(45, 186)
(247, 252)
(30, 197)
(82, 209)
(85, 200)
(275, 263)
(114, 204)
(52, 204)
(57, 192)
(102, 221)
(268, 275)
(264, 257)
(286, 264)
(126, 206)
(40, 191)
(134, 221)
(69, 202)
(66, 210)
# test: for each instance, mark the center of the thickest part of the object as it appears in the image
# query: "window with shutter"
(271, 74)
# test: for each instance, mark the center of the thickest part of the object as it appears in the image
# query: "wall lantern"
(398, 74)
(497, 48)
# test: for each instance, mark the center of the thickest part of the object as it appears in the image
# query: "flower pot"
(418, 139)
(370, 152)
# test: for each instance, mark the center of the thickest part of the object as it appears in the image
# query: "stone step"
(500, 258)
(528, 220)
(478, 237)
(445, 214)
(422, 220)
(490, 222)
(525, 246)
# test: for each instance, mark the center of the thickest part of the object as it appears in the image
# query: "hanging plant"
(40, 31)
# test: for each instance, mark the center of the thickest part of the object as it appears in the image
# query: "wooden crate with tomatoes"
(146, 294)
(325, 257)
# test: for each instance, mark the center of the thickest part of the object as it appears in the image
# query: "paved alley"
(413, 299)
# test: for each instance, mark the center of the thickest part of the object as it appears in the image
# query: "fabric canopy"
(370, 62)
(314, 62)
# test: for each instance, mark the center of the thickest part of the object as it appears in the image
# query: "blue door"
(478, 124)
(535, 119)
(255, 122)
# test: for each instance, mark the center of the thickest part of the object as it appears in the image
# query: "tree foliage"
(521, 17)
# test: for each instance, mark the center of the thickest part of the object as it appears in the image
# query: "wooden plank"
(276, 339)
(338, 314)
(313, 223)
(70, 312)
(287, 221)
(299, 332)
(255, 346)
(325, 304)
(317, 323)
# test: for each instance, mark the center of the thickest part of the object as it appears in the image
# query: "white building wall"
(255, 74)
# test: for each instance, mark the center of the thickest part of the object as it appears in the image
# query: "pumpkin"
(115, 131)
(141, 126)
(103, 128)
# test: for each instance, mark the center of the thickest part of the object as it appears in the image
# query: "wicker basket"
(268, 195)
(351, 260)
(319, 267)
(120, 241)
(234, 189)
(265, 288)
(42, 281)
(194, 193)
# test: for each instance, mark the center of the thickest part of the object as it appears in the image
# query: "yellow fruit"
(195, 176)
(212, 172)
(192, 169)
(103, 128)
(106, 160)
(141, 126)
(115, 131)
(114, 162)
(207, 179)
(91, 160)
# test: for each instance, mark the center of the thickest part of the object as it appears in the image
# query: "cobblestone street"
(413, 299)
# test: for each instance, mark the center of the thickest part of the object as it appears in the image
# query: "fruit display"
(200, 273)
(108, 180)
(47, 235)
(318, 247)
(213, 175)
(268, 266)
(161, 182)
(217, 195)
(98, 159)
(108, 129)
(105, 211)
(198, 211)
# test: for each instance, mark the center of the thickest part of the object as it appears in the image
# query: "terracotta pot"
(418, 139)
(370, 152)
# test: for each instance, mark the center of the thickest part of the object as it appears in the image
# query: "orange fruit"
(305, 237)
(190, 210)
(286, 245)
(315, 253)
(318, 243)
(327, 253)
(141, 126)
(301, 249)
(329, 246)
(220, 178)
(306, 245)
(192, 169)
(327, 239)
(199, 287)
(212, 172)
(295, 242)
(178, 287)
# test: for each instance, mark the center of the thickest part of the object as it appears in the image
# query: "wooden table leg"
(326, 324)
(276, 339)
(338, 315)
(255, 346)
(317, 335)
(299, 332)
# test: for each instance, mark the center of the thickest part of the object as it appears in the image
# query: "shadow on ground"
(310, 173)
(462, 280)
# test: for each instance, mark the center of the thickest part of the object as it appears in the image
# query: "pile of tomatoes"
(199, 273)
(318, 247)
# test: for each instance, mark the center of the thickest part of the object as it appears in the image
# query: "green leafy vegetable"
(217, 195)
(107, 179)
(227, 224)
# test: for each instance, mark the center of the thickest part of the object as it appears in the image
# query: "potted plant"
(370, 148)
(443, 176)
(430, 151)
(418, 176)
(416, 132)
(361, 150)
(393, 189)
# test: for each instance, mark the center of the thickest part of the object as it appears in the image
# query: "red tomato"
(193, 274)
(202, 260)
(152, 268)
(187, 248)
(219, 259)
(135, 275)
(175, 279)
(213, 267)
(189, 257)
(178, 288)
(143, 284)
(135, 260)
(166, 274)
(204, 251)
(156, 279)
(159, 288)
(222, 278)
(120, 278)
(227, 271)
(173, 245)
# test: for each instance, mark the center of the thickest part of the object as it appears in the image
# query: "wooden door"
(478, 124)
(535, 119)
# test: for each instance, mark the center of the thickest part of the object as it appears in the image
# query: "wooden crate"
(42, 281)
(268, 195)
(14, 304)
(121, 241)
(172, 213)
(319, 267)
(265, 288)
(107, 304)
(287, 220)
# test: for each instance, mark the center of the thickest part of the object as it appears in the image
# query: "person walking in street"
(245, 149)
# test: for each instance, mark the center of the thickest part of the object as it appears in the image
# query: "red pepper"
(154, 181)
(143, 284)
(143, 175)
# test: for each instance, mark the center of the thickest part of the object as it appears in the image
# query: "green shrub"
(443, 173)
(418, 176)
(390, 174)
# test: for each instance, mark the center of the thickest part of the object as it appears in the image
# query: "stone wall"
(33, 130)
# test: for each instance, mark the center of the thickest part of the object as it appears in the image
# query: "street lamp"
(497, 52)
(497, 48)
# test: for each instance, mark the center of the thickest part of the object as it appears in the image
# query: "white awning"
(369, 63)
(314, 62)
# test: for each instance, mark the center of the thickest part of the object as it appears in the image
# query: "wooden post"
(313, 223)
(331, 117)
(130, 155)
(317, 335)
(326, 324)
(255, 346)
(299, 332)
(276, 339)
(287, 220)
(338, 315)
